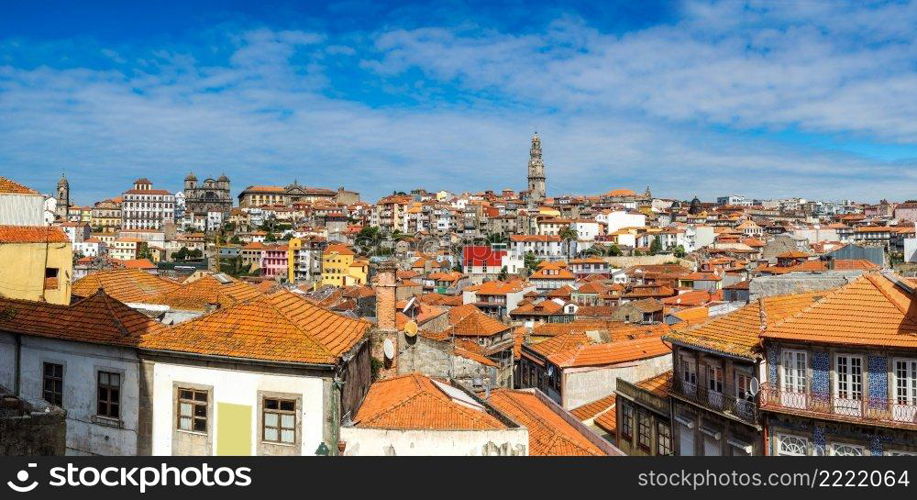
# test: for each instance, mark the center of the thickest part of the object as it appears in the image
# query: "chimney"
(384, 345)
(385, 296)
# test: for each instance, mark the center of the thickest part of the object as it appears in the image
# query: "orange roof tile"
(658, 385)
(738, 332)
(591, 410)
(281, 326)
(608, 421)
(870, 311)
(414, 401)
(32, 234)
(549, 433)
(198, 294)
(98, 319)
(126, 285)
(589, 354)
(8, 186)
(476, 323)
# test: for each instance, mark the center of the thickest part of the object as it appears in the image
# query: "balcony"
(869, 411)
(722, 402)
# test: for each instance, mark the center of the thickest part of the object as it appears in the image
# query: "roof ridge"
(296, 325)
(872, 278)
(114, 317)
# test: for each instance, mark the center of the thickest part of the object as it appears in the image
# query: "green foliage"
(614, 251)
(680, 252)
(656, 246)
(531, 262)
(270, 238)
(504, 273)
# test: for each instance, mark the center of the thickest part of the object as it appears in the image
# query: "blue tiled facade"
(821, 367)
(877, 367)
(772, 364)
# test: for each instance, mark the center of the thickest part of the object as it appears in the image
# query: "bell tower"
(63, 198)
(536, 172)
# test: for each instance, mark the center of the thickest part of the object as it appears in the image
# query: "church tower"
(536, 172)
(63, 198)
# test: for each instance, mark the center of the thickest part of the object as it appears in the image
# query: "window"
(279, 421)
(53, 384)
(627, 425)
(905, 383)
(743, 386)
(715, 378)
(663, 439)
(688, 374)
(109, 395)
(192, 410)
(848, 384)
(792, 446)
(644, 425)
(847, 450)
(794, 371)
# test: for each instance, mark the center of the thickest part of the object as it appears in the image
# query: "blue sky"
(766, 99)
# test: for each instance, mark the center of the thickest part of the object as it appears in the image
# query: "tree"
(235, 240)
(656, 246)
(680, 251)
(614, 250)
(196, 253)
(531, 262)
(270, 238)
(504, 273)
(568, 234)
(181, 254)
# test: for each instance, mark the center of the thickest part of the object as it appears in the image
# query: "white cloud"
(614, 111)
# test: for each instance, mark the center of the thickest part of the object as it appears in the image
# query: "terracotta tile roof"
(281, 326)
(562, 292)
(499, 287)
(658, 385)
(32, 234)
(198, 294)
(8, 186)
(415, 401)
(738, 332)
(693, 314)
(533, 237)
(549, 433)
(793, 254)
(870, 311)
(543, 308)
(589, 354)
(125, 285)
(591, 410)
(608, 421)
(137, 264)
(476, 323)
(693, 298)
(98, 319)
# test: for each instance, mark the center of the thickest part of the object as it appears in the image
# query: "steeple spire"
(536, 175)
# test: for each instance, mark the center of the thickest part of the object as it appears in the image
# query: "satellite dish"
(410, 329)
(754, 386)
(550, 370)
(408, 306)
(388, 348)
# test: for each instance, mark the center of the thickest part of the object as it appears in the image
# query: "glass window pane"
(103, 378)
(270, 404)
(287, 436)
(200, 425)
(200, 411)
(184, 409)
(201, 396)
(287, 405)
(287, 421)
(270, 434)
(184, 423)
(270, 419)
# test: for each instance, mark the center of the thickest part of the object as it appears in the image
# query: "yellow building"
(341, 267)
(36, 263)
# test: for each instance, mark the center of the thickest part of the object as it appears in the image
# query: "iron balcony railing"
(878, 411)
(724, 401)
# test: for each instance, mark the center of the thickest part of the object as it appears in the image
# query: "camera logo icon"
(22, 477)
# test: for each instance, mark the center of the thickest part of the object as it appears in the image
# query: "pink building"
(274, 260)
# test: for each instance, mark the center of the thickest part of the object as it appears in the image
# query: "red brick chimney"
(386, 331)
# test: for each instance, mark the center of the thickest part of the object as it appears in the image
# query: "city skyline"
(767, 101)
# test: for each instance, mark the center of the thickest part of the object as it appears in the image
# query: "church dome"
(62, 182)
(223, 178)
(191, 177)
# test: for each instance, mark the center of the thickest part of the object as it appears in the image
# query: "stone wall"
(31, 429)
(769, 286)
(646, 260)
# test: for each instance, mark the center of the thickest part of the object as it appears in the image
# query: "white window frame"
(904, 410)
(860, 449)
(852, 402)
(804, 442)
(794, 386)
